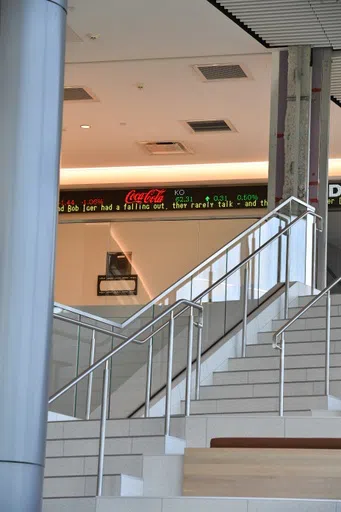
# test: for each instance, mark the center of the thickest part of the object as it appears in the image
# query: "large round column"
(32, 39)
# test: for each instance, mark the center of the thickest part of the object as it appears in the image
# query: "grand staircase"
(241, 399)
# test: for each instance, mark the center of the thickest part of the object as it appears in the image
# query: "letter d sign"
(334, 190)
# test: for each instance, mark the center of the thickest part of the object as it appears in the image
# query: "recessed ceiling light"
(85, 126)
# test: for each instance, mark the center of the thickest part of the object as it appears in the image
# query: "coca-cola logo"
(153, 196)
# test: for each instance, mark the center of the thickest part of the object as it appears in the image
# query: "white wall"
(162, 251)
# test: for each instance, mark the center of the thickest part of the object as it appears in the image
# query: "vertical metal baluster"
(102, 429)
(245, 301)
(281, 377)
(110, 372)
(91, 375)
(189, 363)
(314, 249)
(77, 367)
(327, 361)
(149, 378)
(199, 350)
(287, 278)
(169, 374)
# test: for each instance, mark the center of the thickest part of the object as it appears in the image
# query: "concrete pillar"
(299, 134)
(32, 38)
(319, 150)
(297, 124)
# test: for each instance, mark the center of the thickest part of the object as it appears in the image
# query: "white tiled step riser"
(77, 486)
(315, 311)
(243, 405)
(294, 336)
(182, 504)
(270, 376)
(308, 323)
(303, 301)
(272, 363)
(115, 428)
(81, 466)
(115, 446)
(268, 390)
(298, 348)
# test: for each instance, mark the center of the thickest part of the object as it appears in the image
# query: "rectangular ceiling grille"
(209, 126)
(222, 72)
(76, 94)
(166, 148)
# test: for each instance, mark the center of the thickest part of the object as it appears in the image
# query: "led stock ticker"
(185, 199)
(162, 199)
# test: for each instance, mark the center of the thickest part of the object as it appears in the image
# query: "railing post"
(287, 277)
(189, 363)
(169, 374)
(199, 350)
(281, 377)
(245, 301)
(102, 430)
(314, 250)
(149, 378)
(77, 366)
(327, 361)
(91, 375)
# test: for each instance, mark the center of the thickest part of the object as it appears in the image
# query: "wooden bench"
(265, 467)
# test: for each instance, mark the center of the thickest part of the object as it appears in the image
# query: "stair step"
(136, 427)
(131, 465)
(308, 323)
(147, 445)
(271, 376)
(190, 504)
(304, 300)
(319, 310)
(291, 362)
(291, 348)
(268, 404)
(301, 336)
(79, 486)
(267, 390)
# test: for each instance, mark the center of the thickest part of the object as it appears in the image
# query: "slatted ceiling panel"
(291, 22)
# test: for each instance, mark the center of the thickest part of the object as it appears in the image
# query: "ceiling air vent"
(219, 125)
(77, 94)
(166, 148)
(214, 72)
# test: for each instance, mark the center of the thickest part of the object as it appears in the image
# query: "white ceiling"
(156, 43)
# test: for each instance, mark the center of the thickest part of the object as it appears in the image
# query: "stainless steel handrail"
(130, 339)
(195, 304)
(288, 324)
(196, 301)
(239, 266)
(195, 270)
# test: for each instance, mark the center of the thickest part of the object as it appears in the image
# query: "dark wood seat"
(277, 442)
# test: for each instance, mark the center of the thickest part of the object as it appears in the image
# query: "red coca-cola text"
(153, 196)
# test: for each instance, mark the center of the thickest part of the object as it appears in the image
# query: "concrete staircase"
(143, 468)
(250, 384)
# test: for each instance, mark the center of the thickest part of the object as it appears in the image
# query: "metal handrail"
(197, 300)
(130, 339)
(188, 303)
(281, 347)
(191, 273)
(105, 359)
(223, 278)
(194, 304)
